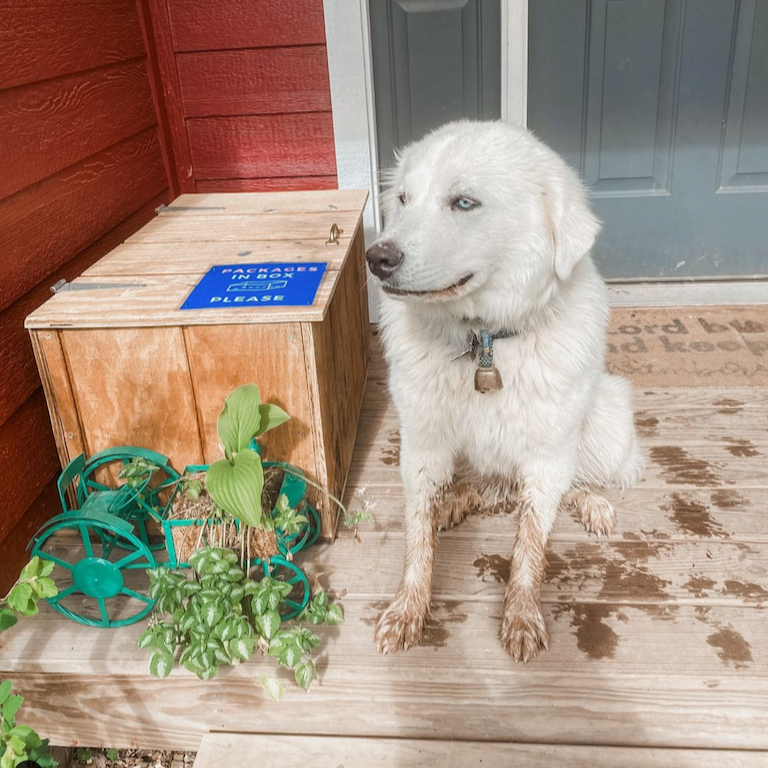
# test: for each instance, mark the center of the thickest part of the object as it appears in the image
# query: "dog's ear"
(573, 225)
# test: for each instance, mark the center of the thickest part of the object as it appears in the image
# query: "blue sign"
(289, 284)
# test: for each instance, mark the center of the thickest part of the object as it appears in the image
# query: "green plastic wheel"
(283, 570)
(101, 567)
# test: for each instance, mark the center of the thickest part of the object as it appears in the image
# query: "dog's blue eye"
(463, 204)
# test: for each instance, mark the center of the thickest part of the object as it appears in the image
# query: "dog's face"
(480, 216)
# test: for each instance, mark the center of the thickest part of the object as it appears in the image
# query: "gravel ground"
(130, 758)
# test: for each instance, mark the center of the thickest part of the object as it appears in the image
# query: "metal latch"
(60, 286)
(335, 234)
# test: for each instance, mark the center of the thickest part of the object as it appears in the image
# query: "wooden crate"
(122, 365)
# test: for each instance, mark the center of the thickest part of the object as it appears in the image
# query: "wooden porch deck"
(658, 635)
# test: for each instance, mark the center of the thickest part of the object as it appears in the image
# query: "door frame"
(350, 70)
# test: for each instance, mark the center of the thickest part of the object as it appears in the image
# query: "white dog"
(488, 285)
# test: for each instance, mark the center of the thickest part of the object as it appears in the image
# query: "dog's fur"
(560, 427)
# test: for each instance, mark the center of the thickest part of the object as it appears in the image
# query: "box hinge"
(60, 286)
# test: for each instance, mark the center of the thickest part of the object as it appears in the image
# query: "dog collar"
(480, 344)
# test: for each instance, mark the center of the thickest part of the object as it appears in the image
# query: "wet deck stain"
(741, 448)
(593, 636)
(693, 517)
(494, 566)
(727, 405)
(712, 683)
(745, 589)
(391, 453)
(698, 585)
(733, 648)
(725, 498)
(680, 468)
(646, 424)
(435, 633)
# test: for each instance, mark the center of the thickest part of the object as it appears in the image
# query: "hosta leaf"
(160, 664)
(240, 419)
(237, 486)
(271, 416)
(273, 687)
(305, 674)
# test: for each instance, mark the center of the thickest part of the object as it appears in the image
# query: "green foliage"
(219, 617)
(19, 743)
(33, 584)
(112, 755)
(284, 517)
(84, 755)
(356, 518)
(236, 482)
(137, 471)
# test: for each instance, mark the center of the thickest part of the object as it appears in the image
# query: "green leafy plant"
(136, 471)
(112, 755)
(84, 755)
(235, 482)
(218, 616)
(19, 743)
(34, 583)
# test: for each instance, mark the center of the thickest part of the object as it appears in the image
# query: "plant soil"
(188, 538)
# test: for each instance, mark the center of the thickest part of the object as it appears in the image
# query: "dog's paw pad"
(522, 637)
(399, 627)
(598, 515)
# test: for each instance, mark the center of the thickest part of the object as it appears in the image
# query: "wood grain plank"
(267, 355)
(123, 398)
(475, 568)
(156, 28)
(338, 351)
(629, 683)
(41, 39)
(272, 145)
(221, 750)
(21, 378)
(138, 259)
(350, 200)
(13, 546)
(47, 224)
(198, 25)
(154, 301)
(205, 227)
(57, 123)
(254, 82)
(276, 184)
(28, 460)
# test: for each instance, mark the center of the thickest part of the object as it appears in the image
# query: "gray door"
(433, 61)
(663, 107)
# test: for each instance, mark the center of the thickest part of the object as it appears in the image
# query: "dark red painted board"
(57, 123)
(13, 548)
(20, 376)
(45, 225)
(203, 25)
(40, 39)
(283, 184)
(28, 460)
(268, 146)
(254, 82)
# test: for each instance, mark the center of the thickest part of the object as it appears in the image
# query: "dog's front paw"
(598, 515)
(457, 504)
(401, 625)
(523, 635)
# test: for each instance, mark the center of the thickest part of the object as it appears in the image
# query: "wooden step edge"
(225, 750)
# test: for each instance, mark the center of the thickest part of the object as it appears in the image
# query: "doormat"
(690, 346)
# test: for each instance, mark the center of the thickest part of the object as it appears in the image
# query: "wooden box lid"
(144, 281)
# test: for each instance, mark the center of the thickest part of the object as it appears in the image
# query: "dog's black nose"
(384, 259)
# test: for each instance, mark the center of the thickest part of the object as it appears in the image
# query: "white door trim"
(514, 61)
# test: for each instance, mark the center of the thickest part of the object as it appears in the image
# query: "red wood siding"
(84, 171)
(246, 93)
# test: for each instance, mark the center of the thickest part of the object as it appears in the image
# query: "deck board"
(657, 634)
